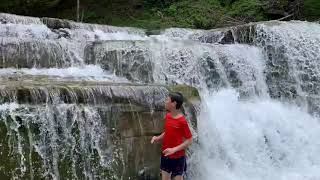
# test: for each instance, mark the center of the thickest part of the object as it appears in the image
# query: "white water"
(87, 72)
(258, 139)
(296, 45)
(187, 62)
(55, 140)
(252, 139)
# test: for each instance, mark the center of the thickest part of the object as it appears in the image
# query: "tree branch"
(285, 17)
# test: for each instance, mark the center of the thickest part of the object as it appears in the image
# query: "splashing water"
(256, 139)
(58, 134)
(87, 72)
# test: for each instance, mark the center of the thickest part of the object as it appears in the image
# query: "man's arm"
(180, 147)
(184, 145)
(157, 138)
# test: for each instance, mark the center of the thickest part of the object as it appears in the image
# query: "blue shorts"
(174, 166)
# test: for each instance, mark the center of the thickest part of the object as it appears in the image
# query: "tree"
(78, 9)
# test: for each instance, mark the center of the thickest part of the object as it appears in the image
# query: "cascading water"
(255, 137)
(258, 83)
(58, 136)
(64, 115)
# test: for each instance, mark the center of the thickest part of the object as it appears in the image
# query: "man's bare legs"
(178, 178)
(165, 175)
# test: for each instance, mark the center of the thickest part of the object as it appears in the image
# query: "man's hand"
(169, 151)
(157, 138)
(184, 145)
(154, 139)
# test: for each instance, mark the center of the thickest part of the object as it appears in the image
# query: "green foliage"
(27, 7)
(247, 9)
(226, 2)
(155, 14)
(90, 16)
(172, 10)
(201, 14)
(159, 3)
(311, 9)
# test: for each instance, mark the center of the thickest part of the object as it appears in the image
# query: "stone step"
(84, 92)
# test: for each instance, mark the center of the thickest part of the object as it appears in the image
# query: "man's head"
(174, 101)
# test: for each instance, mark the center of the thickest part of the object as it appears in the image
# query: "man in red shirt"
(176, 138)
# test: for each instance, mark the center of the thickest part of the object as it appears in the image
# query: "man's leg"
(165, 175)
(165, 168)
(180, 167)
(178, 177)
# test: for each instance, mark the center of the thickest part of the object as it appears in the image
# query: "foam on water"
(259, 139)
(87, 72)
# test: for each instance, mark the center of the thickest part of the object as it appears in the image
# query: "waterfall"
(50, 135)
(82, 100)
(256, 139)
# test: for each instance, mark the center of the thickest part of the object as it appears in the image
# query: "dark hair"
(176, 97)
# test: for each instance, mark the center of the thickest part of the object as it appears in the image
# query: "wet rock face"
(130, 59)
(66, 126)
(292, 63)
(136, 130)
(134, 67)
(289, 56)
(54, 23)
(71, 130)
(33, 53)
(277, 74)
(238, 34)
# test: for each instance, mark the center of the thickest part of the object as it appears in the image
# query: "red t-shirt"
(176, 130)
